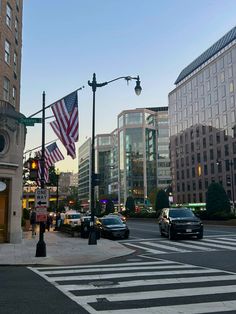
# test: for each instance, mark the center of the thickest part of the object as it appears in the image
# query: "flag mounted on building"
(65, 111)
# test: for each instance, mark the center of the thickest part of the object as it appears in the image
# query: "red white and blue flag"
(52, 155)
(65, 111)
(70, 147)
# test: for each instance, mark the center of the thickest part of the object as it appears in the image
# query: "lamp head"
(138, 88)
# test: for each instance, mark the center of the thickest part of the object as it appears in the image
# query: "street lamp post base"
(41, 249)
(92, 237)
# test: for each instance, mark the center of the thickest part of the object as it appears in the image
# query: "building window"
(8, 15)
(229, 57)
(7, 52)
(222, 77)
(230, 72)
(6, 89)
(226, 150)
(232, 101)
(15, 62)
(223, 91)
(16, 28)
(14, 96)
(231, 87)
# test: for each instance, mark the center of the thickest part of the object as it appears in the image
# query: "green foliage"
(162, 201)
(142, 214)
(217, 201)
(130, 205)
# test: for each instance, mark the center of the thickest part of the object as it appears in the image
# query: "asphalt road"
(162, 276)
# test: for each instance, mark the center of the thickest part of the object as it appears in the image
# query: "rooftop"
(220, 44)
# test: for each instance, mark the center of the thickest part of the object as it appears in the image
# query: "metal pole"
(232, 181)
(57, 192)
(92, 234)
(41, 246)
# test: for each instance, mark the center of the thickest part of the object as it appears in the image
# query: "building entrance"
(3, 210)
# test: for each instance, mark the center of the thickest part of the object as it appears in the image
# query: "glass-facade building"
(134, 158)
(202, 116)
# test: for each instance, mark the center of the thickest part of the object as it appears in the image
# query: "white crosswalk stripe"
(159, 286)
(164, 246)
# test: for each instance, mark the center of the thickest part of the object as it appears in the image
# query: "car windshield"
(181, 212)
(73, 216)
(111, 221)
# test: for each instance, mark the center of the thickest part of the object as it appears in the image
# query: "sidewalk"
(61, 249)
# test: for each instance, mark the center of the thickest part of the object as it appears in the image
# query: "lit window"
(8, 15)
(6, 89)
(7, 52)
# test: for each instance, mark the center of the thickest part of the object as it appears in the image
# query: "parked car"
(113, 227)
(174, 222)
(116, 214)
(72, 218)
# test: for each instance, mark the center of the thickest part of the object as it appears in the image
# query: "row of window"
(9, 94)
(7, 57)
(10, 22)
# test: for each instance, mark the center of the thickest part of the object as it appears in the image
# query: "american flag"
(65, 111)
(52, 155)
(69, 147)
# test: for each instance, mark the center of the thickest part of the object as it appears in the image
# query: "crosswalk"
(152, 287)
(165, 246)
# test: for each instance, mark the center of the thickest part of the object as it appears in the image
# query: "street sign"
(41, 216)
(30, 121)
(41, 198)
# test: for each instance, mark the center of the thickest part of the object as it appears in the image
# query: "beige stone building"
(12, 132)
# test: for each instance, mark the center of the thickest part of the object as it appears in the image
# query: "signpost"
(30, 121)
(41, 204)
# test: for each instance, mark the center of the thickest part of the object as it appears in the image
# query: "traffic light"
(33, 168)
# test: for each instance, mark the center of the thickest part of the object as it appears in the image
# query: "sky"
(66, 41)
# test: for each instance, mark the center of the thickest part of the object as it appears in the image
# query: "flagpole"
(41, 245)
(34, 114)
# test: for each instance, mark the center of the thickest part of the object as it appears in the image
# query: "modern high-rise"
(131, 160)
(202, 115)
(12, 131)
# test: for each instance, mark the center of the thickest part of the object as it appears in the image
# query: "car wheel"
(171, 234)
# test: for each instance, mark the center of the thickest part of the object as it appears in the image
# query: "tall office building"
(144, 163)
(131, 160)
(202, 114)
(12, 132)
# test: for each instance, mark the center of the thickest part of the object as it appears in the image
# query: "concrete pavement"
(61, 249)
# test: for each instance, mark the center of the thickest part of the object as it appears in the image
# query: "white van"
(72, 218)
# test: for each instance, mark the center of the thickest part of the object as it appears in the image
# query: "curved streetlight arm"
(94, 83)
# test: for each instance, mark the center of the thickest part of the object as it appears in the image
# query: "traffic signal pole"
(41, 245)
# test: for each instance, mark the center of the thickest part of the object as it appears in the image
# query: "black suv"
(179, 221)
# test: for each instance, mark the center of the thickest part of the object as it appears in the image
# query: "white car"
(72, 218)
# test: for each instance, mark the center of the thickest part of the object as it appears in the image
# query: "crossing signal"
(33, 168)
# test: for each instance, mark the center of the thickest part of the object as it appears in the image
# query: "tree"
(162, 201)
(130, 205)
(109, 207)
(217, 201)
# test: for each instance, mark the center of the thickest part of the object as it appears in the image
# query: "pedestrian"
(49, 222)
(33, 222)
(58, 220)
(62, 218)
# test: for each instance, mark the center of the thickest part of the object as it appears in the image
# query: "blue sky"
(65, 42)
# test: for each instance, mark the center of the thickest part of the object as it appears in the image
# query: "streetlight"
(94, 85)
(231, 164)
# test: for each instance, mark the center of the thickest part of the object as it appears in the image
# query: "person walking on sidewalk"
(33, 222)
